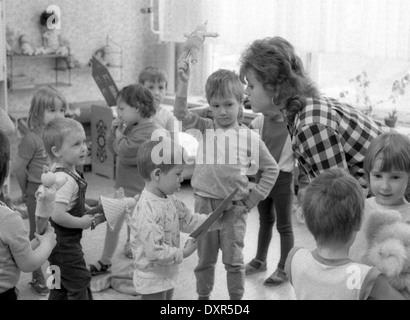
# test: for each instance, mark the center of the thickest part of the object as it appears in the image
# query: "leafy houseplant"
(391, 120)
(362, 85)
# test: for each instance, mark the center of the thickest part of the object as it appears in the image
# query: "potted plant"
(391, 120)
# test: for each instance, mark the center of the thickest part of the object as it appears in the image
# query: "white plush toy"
(25, 45)
(389, 247)
(45, 197)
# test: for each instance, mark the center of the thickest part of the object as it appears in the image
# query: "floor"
(93, 242)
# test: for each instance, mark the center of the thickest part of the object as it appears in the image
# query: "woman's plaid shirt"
(328, 133)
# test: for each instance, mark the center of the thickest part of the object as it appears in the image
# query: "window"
(337, 39)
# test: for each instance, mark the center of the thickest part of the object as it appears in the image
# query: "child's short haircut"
(393, 149)
(152, 74)
(138, 97)
(223, 83)
(333, 206)
(4, 157)
(164, 154)
(56, 131)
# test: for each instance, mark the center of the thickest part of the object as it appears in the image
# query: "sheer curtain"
(377, 28)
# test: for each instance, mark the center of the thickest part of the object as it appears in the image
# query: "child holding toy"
(158, 219)
(65, 142)
(46, 105)
(134, 126)
(387, 169)
(214, 177)
(17, 252)
(333, 209)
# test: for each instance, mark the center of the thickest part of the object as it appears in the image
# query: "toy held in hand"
(389, 247)
(112, 209)
(194, 42)
(45, 197)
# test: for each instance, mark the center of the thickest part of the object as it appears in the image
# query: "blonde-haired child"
(387, 170)
(213, 181)
(65, 142)
(46, 104)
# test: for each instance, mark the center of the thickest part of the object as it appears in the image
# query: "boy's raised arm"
(181, 100)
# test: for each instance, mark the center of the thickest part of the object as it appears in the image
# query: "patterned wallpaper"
(86, 25)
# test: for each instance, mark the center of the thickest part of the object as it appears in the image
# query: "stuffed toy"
(194, 42)
(45, 197)
(100, 55)
(25, 46)
(389, 247)
(53, 44)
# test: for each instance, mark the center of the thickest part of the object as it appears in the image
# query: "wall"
(86, 24)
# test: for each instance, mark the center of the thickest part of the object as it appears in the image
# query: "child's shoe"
(277, 278)
(39, 287)
(99, 268)
(127, 250)
(255, 266)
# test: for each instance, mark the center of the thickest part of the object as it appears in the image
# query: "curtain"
(377, 28)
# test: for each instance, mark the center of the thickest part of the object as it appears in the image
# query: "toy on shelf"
(25, 46)
(194, 42)
(45, 197)
(53, 43)
(52, 40)
(389, 247)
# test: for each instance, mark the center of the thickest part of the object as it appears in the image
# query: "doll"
(52, 40)
(195, 41)
(25, 46)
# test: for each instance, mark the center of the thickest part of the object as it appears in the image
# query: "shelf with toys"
(59, 60)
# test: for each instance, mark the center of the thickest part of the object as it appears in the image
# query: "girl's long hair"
(44, 99)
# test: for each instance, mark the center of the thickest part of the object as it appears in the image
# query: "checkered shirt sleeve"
(329, 134)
